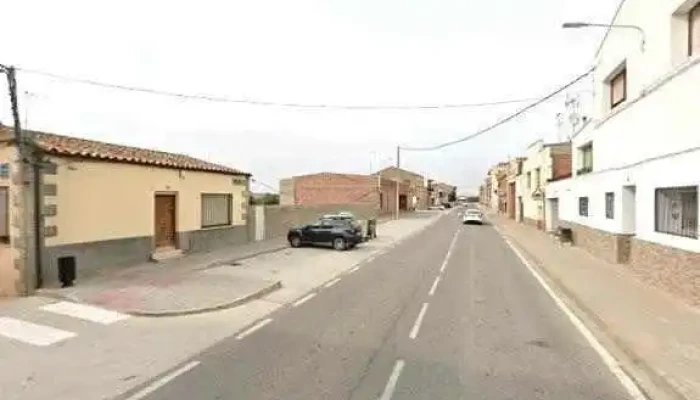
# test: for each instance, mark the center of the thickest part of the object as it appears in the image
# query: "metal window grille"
(216, 209)
(610, 205)
(677, 211)
(583, 206)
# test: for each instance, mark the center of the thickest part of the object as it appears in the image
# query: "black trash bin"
(371, 228)
(66, 270)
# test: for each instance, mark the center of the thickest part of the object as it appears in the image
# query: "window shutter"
(618, 88)
(216, 210)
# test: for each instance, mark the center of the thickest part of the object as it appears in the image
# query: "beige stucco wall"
(9, 276)
(101, 200)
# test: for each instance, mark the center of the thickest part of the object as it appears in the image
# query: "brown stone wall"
(672, 270)
(611, 247)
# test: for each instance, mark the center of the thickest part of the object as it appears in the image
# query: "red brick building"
(328, 188)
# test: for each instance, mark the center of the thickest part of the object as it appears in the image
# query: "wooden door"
(165, 220)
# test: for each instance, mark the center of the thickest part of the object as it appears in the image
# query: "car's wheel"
(295, 241)
(339, 244)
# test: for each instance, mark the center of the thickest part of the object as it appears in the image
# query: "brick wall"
(327, 188)
(672, 270)
(561, 165)
(611, 247)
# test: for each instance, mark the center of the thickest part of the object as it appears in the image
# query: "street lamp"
(579, 25)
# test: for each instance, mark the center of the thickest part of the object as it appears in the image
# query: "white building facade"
(543, 163)
(633, 197)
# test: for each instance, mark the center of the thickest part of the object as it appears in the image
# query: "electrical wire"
(223, 99)
(503, 120)
(261, 183)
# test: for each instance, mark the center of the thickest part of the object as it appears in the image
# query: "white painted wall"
(680, 170)
(652, 140)
(659, 116)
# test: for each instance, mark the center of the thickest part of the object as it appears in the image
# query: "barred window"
(583, 206)
(216, 209)
(677, 211)
(610, 205)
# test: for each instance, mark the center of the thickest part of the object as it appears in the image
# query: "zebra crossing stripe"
(85, 312)
(27, 332)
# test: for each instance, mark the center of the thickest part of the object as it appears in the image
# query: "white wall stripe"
(27, 332)
(85, 312)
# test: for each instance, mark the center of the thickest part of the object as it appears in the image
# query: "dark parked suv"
(342, 234)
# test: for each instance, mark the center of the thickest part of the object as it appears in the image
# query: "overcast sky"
(336, 52)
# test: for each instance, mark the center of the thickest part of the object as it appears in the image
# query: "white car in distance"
(473, 216)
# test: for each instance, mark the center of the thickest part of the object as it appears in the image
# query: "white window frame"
(674, 217)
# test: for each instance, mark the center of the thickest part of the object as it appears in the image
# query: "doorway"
(551, 213)
(165, 228)
(403, 202)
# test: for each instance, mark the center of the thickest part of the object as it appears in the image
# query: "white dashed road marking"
(419, 321)
(164, 380)
(85, 312)
(254, 328)
(435, 283)
(27, 332)
(331, 283)
(354, 269)
(393, 380)
(304, 299)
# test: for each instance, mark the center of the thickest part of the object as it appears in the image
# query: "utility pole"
(23, 196)
(398, 166)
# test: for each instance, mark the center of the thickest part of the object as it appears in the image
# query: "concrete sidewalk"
(192, 284)
(655, 337)
(203, 282)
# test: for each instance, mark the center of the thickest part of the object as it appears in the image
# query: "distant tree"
(264, 199)
(452, 196)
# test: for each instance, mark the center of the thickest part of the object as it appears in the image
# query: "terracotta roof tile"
(78, 147)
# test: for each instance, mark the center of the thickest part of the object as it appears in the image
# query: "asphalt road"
(485, 330)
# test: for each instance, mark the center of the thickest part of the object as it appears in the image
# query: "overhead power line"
(224, 99)
(503, 120)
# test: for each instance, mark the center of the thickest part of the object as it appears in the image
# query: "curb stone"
(177, 313)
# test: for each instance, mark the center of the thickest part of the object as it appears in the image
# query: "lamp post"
(580, 25)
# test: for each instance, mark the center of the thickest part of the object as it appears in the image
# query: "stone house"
(492, 185)
(633, 197)
(416, 196)
(513, 170)
(104, 205)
